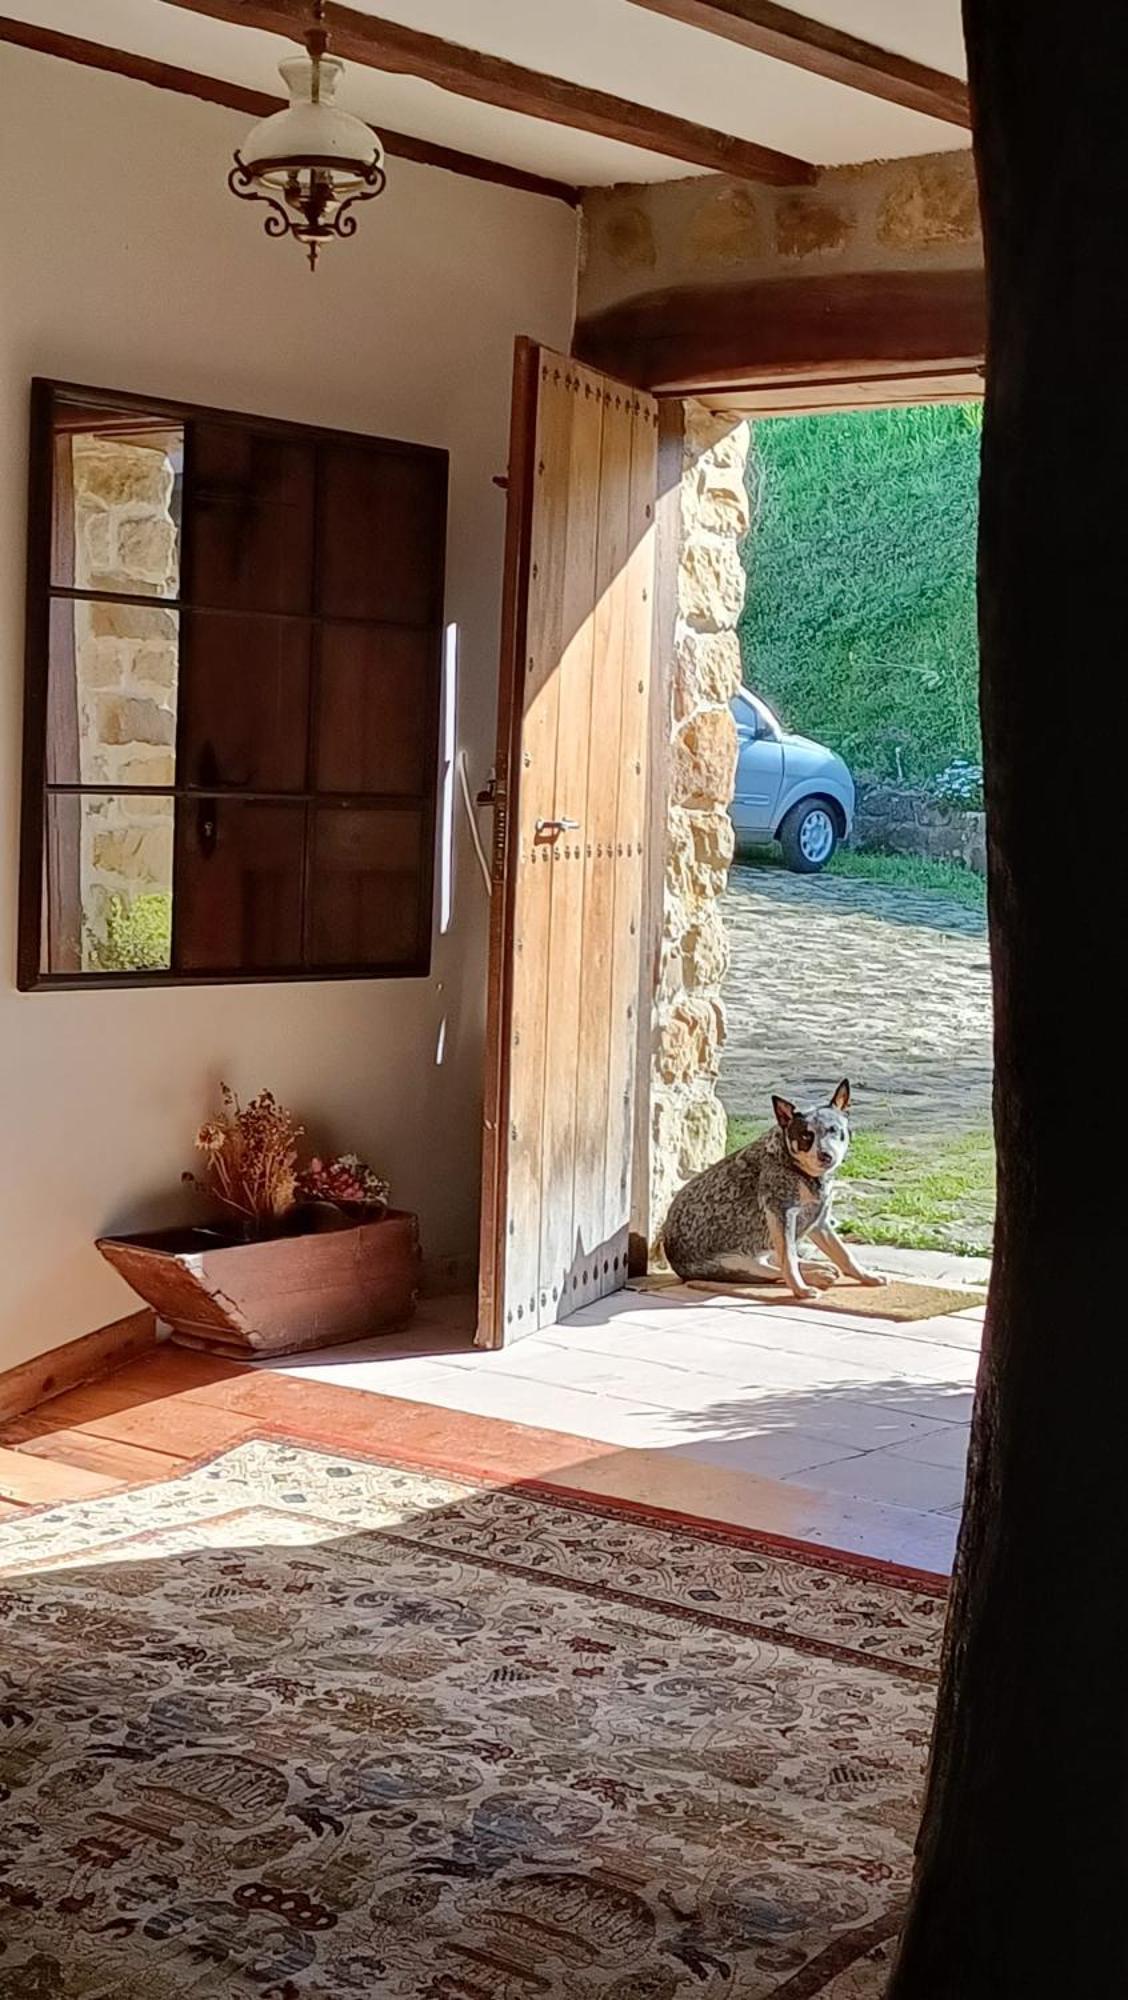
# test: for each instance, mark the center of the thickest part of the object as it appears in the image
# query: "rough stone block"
(122, 475)
(703, 1137)
(705, 950)
(673, 1055)
(711, 584)
(102, 663)
(726, 438)
(930, 201)
(627, 237)
(137, 854)
(146, 547)
(156, 662)
(704, 760)
(95, 542)
(132, 719)
(157, 768)
(707, 670)
(713, 845)
(720, 504)
(810, 226)
(132, 621)
(726, 228)
(689, 1040)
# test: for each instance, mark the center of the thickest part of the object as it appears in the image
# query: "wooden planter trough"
(327, 1283)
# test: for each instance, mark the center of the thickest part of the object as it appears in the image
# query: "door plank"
(536, 792)
(602, 859)
(628, 1031)
(565, 871)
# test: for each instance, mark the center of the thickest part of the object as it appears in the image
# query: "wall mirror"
(234, 647)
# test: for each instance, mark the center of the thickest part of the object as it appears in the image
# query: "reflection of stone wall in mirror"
(125, 533)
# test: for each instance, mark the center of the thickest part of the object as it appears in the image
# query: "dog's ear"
(841, 1098)
(784, 1111)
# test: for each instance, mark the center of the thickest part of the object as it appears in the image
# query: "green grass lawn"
(911, 871)
(926, 1195)
(895, 871)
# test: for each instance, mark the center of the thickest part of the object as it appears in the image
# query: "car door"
(759, 769)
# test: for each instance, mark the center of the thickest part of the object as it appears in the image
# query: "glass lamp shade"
(312, 161)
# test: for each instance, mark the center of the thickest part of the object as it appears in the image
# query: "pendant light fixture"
(311, 162)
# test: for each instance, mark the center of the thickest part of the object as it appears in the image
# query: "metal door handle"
(558, 826)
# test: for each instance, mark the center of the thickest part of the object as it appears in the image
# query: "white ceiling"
(609, 44)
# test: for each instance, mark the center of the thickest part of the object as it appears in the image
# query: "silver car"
(787, 789)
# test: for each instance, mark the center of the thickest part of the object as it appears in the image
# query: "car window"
(746, 714)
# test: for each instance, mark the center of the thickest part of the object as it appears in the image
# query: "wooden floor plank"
(33, 1481)
(130, 1463)
(174, 1426)
(174, 1375)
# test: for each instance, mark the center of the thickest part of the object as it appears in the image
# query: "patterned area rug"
(297, 1724)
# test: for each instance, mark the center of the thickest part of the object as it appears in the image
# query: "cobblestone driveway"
(836, 977)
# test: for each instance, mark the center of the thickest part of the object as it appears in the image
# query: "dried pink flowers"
(347, 1182)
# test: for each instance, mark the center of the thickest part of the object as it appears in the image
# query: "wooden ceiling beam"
(771, 30)
(259, 104)
(387, 45)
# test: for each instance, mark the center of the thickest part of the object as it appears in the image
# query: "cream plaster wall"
(124, 263)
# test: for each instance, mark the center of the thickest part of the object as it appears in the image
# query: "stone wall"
(896, 819)
(688, 1122)
(912, 214)
(125, 664)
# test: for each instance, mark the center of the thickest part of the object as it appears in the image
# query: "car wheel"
(809, 836)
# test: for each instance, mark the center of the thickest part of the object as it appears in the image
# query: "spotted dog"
(744, 1218)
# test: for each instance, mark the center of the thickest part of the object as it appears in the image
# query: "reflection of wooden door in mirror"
(569, 837)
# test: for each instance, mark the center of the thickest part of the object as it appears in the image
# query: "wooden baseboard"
(33, 1382)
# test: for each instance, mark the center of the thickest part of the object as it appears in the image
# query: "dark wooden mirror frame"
(431, 467)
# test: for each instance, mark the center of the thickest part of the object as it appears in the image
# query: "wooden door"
(568, 847)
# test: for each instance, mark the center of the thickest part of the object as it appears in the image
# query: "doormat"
(302, 1724)
(899, 1299)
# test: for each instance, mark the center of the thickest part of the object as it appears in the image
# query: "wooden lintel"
(708, 339)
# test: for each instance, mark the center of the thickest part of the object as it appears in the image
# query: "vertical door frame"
(506, 785)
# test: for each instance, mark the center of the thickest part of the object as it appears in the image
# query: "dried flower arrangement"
(252, 1168)
(252, 1159)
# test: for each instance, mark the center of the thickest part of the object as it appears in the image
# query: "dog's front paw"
(872, 1278)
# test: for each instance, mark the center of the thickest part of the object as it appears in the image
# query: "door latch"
(558, 826)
